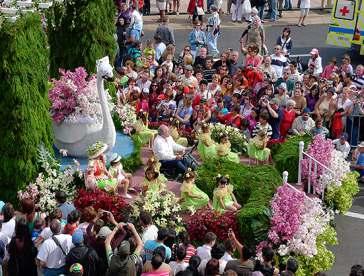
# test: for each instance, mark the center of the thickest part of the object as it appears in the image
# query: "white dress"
(305, 4)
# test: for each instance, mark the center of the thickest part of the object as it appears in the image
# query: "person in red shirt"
(233, 118)
(288, 116)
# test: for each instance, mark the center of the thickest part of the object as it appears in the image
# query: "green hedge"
(285, 156)
(254, 188)
(24, 116)
(79, 33)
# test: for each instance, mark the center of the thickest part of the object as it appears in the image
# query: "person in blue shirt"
(359, 165)
(63, 205)
(150, 245)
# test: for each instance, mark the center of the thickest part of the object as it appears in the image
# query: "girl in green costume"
(206, 146)
(224, 152)
(191, 195)
(152, 182)
(142, 132)
(257, 147)
(175, 134)
(224, 199)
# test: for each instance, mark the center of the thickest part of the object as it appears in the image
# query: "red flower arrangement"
(207, 220)
(100, 199)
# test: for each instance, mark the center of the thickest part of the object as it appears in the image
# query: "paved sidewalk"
(290, 18)
(315, 4)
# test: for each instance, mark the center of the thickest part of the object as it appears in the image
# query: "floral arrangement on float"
(74, 98)
(338, 183)
(50, 180)
(127, 116)
(164, 208)
(300, 227)
(237, 139)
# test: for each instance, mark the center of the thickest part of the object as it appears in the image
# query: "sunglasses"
(277, 48)
(187, 50)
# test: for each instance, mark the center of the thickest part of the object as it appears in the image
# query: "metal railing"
(285, 181)
(353, 127)
(313, 167)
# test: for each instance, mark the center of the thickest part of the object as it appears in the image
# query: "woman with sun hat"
(97, 160)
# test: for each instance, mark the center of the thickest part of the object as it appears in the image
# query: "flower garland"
(74, 98)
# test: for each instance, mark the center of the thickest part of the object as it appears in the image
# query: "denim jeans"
(274, 12)
(287, 4)
(54, 271)
(260, 11)
(178, 165)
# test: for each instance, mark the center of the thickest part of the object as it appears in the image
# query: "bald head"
(163, 131)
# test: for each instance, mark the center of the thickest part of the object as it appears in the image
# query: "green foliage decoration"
(254, 188)
(286, 157)
(133, 161)
(341, 198)
(24, 116)
(324, 259)
(79, 33)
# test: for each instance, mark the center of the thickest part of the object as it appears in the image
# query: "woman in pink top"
(329, 69)
(252, 57)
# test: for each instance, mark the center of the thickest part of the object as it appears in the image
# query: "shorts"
(304, 12)
(162, 6)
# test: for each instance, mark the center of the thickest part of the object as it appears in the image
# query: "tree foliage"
(24, 117)
(79, 33)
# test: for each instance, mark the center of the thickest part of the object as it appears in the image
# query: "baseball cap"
(77, 237)
(76, 268)
(344, 136)
(186, 90)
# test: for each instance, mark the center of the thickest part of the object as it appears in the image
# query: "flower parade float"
(78, 121)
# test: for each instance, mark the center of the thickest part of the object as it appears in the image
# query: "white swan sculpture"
(77, 137)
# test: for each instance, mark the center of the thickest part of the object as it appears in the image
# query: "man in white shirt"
(304, 123)
(342, 145)
(279, 61)
(52, 253)
(204, 251)
(168, 152)
(150, 231)
(217, 252)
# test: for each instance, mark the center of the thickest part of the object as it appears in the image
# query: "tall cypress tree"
(80, 32)
(24, 116)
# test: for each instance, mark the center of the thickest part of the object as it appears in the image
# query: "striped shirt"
(259, 127)
(359, 82)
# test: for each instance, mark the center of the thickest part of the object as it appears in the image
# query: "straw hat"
(96, 150)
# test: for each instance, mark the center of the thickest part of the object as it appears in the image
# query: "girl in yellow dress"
(175, 134)
(206, 146)
(152, 182)
(191, 196)
(224, 152)
(153, 162)
(257, 147)
(224, 199)
(142, 132)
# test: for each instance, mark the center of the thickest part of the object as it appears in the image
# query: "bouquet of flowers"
(74, 98)
(237, 139)
(163, 207)
(127, 117)
(51, 180)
